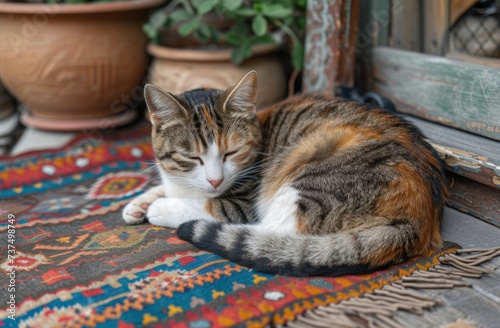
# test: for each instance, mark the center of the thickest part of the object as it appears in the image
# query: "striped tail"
(304, 255)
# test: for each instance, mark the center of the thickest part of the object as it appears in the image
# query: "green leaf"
(200, 36)
(277, 11)
(232, 5)
(258, 7)
(298, 56)
(149, 30)
(263, 39)
(203, 33)
(233, 38)
(214, 34)
(301, 23)
(237, 56)
(189, 27)
(241, 53)
(180, 15)
(245, 12)
(301, 3)
(248, 50)
(204, 6)
(259, 25)
(158, 19)
(241, 27)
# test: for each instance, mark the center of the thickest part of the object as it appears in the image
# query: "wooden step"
(466, 154)
(474, 165)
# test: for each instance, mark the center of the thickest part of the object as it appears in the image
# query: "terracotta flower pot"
(177, 70)
(73, 63)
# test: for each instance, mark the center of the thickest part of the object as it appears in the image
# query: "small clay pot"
(73, 62)
(180, 69)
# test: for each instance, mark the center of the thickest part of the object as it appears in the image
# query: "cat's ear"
(244, 94)
(162, 105)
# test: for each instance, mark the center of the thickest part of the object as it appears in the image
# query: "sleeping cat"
(310, 186)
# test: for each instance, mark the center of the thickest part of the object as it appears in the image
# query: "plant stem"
(287, 30)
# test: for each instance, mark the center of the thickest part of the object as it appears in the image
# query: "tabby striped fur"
(323, 186)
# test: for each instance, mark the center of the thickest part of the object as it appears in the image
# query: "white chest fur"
(279, 212)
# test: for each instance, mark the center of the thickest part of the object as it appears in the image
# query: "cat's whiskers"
(187, 182)
(153, 179)
(255, 166)
(155, 165)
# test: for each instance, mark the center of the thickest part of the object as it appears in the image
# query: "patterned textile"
(77, 264)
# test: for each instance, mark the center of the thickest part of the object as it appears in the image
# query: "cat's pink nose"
(215, 183)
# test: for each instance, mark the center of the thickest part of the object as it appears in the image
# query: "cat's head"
(204, 138)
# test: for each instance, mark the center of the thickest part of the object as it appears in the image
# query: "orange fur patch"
(302, 227)
(207, 115)
(263, 115)
(409, 197)
(382, 256)
(209, 208)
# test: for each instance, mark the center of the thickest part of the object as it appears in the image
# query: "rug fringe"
(377, 309)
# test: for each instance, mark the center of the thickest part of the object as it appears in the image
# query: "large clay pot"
(177, 70)
(72, 62)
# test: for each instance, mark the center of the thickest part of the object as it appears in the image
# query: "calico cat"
(310, 186)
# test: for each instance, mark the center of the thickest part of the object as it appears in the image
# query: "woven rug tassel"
(376, 309)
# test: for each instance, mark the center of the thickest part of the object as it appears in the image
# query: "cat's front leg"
(172, 212)
(135, 211)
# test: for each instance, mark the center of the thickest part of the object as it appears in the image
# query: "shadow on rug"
(69, 259)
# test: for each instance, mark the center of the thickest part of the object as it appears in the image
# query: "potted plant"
(73, 63)
(212, 43)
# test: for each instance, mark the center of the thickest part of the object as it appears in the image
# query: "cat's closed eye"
(197, 159)
(226, 155)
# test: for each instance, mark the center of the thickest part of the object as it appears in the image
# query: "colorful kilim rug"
(69, 259)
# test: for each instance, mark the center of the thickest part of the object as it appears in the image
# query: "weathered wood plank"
(435, 26)
(330, 45)
(475, 199)
(431, 318)
(323, 35)
(489, 286)
(469, 155)
(480, 60)
(447, 91)
(373, 30)
(406, 25)
(364, 44)
(468, 232)
(476, 307)
(350, 17)
(380, 16)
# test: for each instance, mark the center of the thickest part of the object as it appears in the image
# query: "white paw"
(172, 212)
(135, 211)
(160, 211)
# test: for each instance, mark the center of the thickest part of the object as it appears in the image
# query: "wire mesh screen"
(478, 31)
